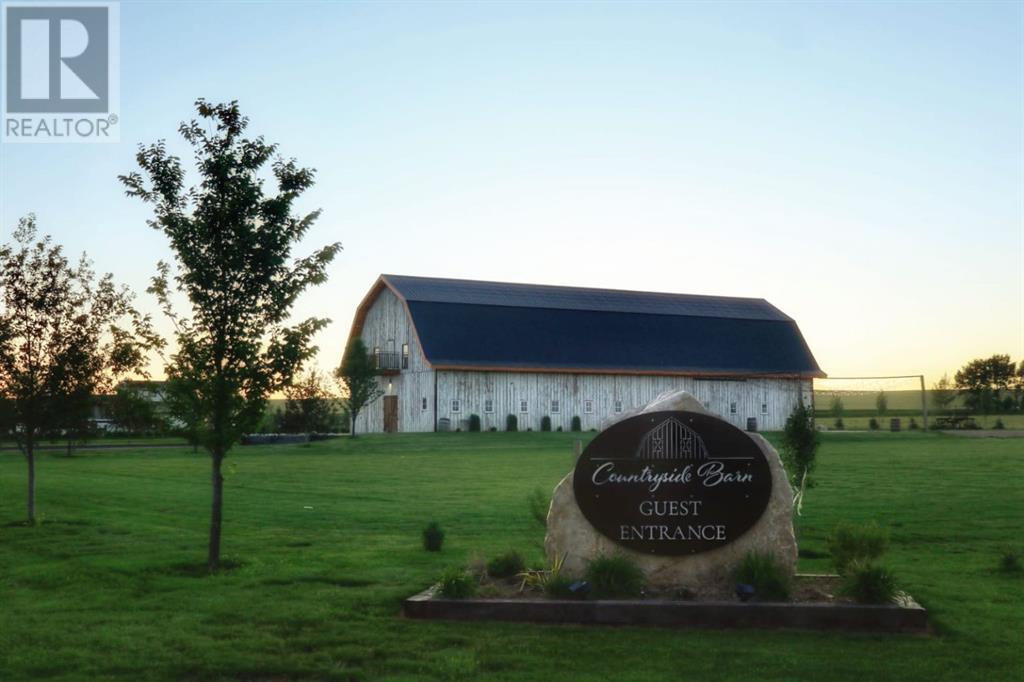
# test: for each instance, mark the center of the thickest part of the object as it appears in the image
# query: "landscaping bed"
(814, 605)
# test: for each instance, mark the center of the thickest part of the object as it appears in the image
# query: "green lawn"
(326, 540)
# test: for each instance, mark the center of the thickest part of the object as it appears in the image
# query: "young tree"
(837, 407)
(63, 335)
(309, 406)
(943, 393)
(799, 449)
(882, 403)
(232, 243)
(358, 378)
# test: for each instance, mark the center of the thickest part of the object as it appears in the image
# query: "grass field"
(325, 541)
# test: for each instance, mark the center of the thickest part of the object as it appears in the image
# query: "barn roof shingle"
(501, 326)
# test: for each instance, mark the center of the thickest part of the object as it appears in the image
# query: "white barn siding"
(507, 389)
(388, 326)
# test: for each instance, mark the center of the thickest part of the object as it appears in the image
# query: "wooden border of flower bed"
(888, 618)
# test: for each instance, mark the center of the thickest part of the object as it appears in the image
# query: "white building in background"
(448, 349)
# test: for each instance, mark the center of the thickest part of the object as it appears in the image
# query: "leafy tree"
(232, 242)
(943, 393)
(882, 403)
(358, 378)
(982, 382)
(132, 410)
(184, 407)
(309, 406)
(837, 407)
(799, 450)
(64, 334)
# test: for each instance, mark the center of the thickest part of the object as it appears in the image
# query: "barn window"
(456, 406)
(588, 406)
(732, 408)
(524, 406)
(764, 408)
(489, 405)
(405, 356)
(424, 404)
(554, 407)
(618, 406)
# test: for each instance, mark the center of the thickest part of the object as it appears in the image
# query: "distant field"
(865, 400)
(327, 543)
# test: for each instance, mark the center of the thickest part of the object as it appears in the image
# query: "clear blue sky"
(860, 165)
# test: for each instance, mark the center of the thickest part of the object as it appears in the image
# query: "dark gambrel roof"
(498, 326)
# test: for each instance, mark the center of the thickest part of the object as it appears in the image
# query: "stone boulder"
(707, 574)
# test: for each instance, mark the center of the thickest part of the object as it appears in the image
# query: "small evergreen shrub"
(615, 577)
(856, 543)
(873, 424)
(559, 429)
(760, 569)
(839, 425)
(867, 584)
(455, 583)
(539, 504)
(474, 422)
(913, 424)
(1010, 562)
(511, 423)
(577, 425)
(999, 424)
(506, 565)
(433, 537)
(493, 429)
(545, 423)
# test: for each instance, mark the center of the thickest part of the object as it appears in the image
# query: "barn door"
(390, 413)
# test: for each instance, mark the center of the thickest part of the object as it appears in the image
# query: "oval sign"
(672, 482)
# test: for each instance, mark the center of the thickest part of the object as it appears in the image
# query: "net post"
(924, 403)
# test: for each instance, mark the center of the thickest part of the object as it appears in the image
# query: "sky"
(859, 165)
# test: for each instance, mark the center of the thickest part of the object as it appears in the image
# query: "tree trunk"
(352, 431)
(31, 457)
(213, 557)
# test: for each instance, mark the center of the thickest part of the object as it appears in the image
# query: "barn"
(448, 349)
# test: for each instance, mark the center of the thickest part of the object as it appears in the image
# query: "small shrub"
(506, 565)
(867, 584)
(873, 424)
(474, 422)
(493, 429)
(913, 425)
(455, 583)
(856, 543)
(999, 424)
(545, 423)
(433, 537)
(760, 569)
(1009, 561)
(511, 423)
(559, 429)
(558, 587)
(539, 504)
(540, 579)
(615, 577)
(577, 425)
(839, 425)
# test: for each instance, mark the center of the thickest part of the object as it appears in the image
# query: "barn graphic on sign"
(672, 439)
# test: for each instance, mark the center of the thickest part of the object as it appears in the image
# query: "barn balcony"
(386, 362)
